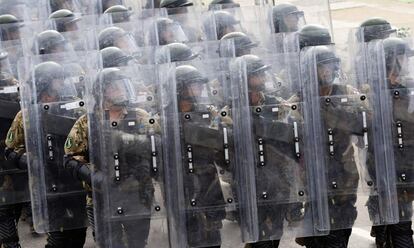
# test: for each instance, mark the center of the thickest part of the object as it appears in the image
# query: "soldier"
(50, 41)
(176, 6)
(118, 14)
(223, 23)
(338, 155)
(314, 35)
(242, 44)
(114, 57)
(55, 5)
(117, 37)
(9, 27)
(175, 52)
(116, 99)
(375, 28)
(48, 78)
(168, 31)
(286, 18)
(399, 83)
(64, 20)
(106, 4)
(14, 184)
(202, 185)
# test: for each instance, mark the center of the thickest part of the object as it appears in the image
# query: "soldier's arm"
(15, 145)
(76, 150)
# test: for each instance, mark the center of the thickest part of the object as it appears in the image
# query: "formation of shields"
(180, 123)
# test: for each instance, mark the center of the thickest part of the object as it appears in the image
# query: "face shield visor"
(328, 71)
(292, 22)
(172, 32)
(119, 92)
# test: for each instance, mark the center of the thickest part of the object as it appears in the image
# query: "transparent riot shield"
(51, 104)
(14, 180)
(14, 49)
(161, 31)
(217, 23)
(273, 143)
(128, 152)
(210, 186)
(10, 31)
(19, 9)
(81, 7)
(348, 142)
(393, 60)
(190, 21)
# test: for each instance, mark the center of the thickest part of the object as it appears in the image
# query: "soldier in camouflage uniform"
(342, 122)
(116, 103)
(14, 183)
(16, 145)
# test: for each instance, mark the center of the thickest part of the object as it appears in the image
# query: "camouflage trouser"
(9, 217)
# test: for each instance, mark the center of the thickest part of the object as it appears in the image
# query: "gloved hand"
(79, 171)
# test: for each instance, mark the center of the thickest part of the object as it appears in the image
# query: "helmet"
(376, 28)
(166, 25)
(224, 20)
(222, 4)
(188, 74)
(62, 18)
(175, 3)
(254, 65)
(114, 77)
(114, 57)
(314, 35)
(177, 52)
(279, 12)
(242, 44)
(45, 73)
(108, 36)
(49, 41)
(9, 27)
(393, 48)
(327, 57)
(119, 13)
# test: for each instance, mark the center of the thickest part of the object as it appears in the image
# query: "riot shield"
(81, 7)
(392, 60)
(128, 154)
(14, 180)
(10, 31)
(347, 124)
(212, 202)
(273, 143)
(190, 21)
(51, 104)
(19, 9)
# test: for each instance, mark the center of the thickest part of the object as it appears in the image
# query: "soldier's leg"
(89, 213)
(66, 239)
(401, 235)
(137, 232)
(381, 235)
(9, 216)
(335, 239)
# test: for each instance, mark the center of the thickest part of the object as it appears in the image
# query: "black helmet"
(111, 76)
(175, 3)
(279, 12)
(394, 47)
(324, 55)
(222, 4)
(119, 13)
(177, 52)
(224, 20)
(188, 74)
(9, 27)
(314, 35)
(62, 18)
(108, 36)
(376, 28)
(48, 41)
(114, 57)
(45, 73)
(242, 44)
(254, 65)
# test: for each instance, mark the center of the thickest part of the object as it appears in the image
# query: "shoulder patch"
(68, 143)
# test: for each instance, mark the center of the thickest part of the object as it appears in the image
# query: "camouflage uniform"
(77, 147)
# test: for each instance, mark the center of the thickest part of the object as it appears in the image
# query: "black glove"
(15, 160)
(79, 171)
